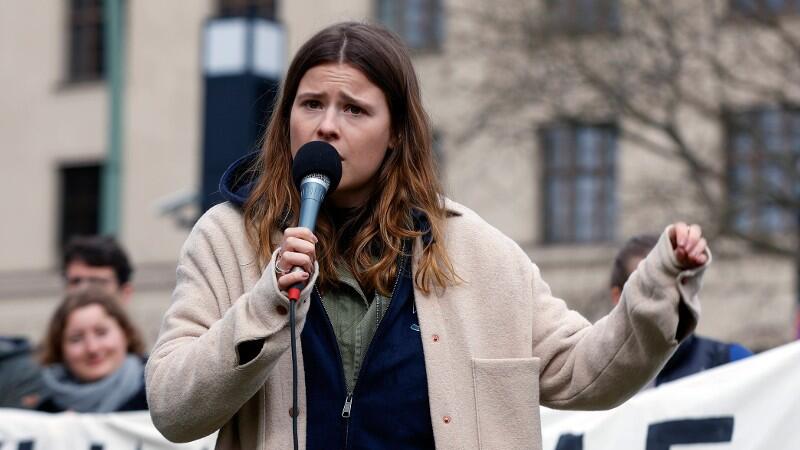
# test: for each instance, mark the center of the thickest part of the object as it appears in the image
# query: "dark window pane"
(585, 201)
(776, 5)
(794, 133)
(744, 6)
(774, 178)
(557, 214)
(86, 45)
(80, 200)
(610, 150)
(764, 7)
(742, 144)
(771, 131)
(419, 22)
(610, 210)
(75, 44)
(584, 16)
(772, 218)
(589, 147)
(763, 169)
(559, 147)
(247, 8)
(580, 204)
(742, 177)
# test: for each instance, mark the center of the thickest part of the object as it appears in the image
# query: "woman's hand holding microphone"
(298, 249)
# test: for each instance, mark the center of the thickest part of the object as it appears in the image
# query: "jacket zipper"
(348, 402)
(341, 364)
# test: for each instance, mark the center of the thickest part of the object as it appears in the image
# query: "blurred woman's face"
(336, 103)
(94, 344)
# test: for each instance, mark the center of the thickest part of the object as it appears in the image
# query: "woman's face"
(336, 103)
(94, 344)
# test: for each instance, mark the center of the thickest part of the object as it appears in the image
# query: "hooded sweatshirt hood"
(239, 179)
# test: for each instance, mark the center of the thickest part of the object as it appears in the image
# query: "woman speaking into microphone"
(419, 324)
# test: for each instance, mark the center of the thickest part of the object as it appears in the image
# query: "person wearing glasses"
(98, 261)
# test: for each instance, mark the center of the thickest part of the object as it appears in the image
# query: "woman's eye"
(312, 104)
(354, 110)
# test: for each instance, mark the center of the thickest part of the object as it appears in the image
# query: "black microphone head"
(317, 157)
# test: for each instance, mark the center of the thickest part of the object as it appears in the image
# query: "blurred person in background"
(696, 353)
(97, 261)
(88, 261)
(92, 356)
(20, 375)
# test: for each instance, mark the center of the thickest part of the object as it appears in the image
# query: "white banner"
(747, 405)
(753, 404)
(30, 430)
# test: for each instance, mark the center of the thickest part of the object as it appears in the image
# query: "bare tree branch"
(668, 61)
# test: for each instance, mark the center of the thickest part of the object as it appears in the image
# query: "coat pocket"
(507, 403)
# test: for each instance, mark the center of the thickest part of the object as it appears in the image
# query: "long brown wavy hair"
(52, 350)
(406, 180)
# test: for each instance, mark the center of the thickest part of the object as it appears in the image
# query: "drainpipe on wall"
(112, 169)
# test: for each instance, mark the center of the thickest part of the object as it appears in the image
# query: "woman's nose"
(92, 345)
(328, 129)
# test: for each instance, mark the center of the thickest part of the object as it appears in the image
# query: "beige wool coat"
(496, 346)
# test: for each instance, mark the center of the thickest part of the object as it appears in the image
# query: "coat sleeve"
(195, 379)
(585, 366)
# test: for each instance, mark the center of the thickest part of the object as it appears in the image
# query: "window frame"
(85, 60)
(67, 197)
(762, 9)
(433, 35)
(752, 217)
(567, 17)
(604, 212)
(265, 9)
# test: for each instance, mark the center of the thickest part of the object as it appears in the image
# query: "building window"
(579, 182)
(764, 8)
(86, 44)
(584, 16)
(763, 168)
(419, 22)
(247, 8)
(80, 200)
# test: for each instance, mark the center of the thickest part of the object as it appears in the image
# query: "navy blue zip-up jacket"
(389, 404)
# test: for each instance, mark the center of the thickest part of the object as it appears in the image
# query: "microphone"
(316, 170)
